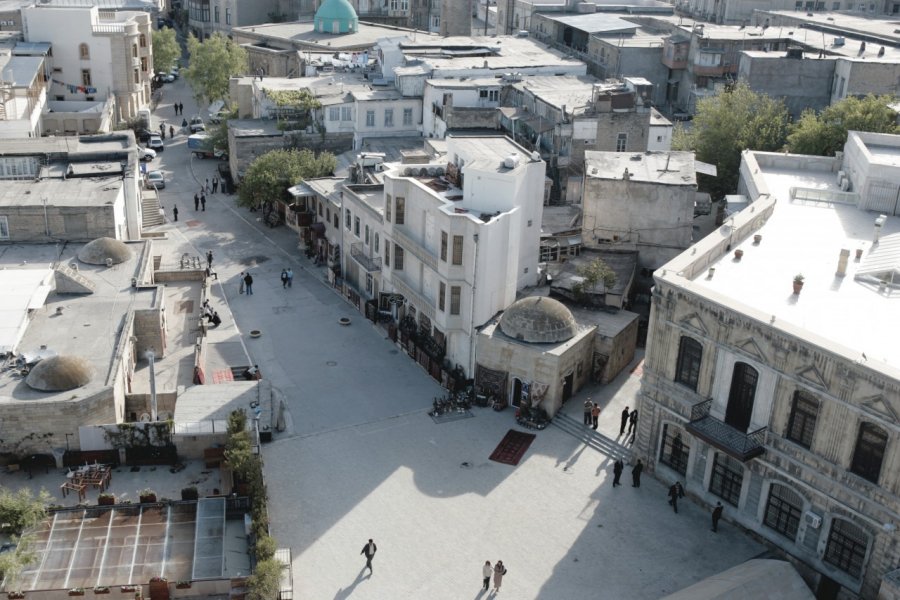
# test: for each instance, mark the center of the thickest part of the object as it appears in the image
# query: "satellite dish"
(145, 418)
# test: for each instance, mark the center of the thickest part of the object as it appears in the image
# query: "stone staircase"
(591, 438)
(71, 281)
(151, 215)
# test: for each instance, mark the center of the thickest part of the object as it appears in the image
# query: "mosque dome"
(538, 319)
(97, 251)
(59, 374)
(336, 16)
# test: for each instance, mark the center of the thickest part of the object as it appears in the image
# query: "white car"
(146, 154)
(156, 143)
(155, 180)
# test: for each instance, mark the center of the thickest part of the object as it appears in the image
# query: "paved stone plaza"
(361, 458)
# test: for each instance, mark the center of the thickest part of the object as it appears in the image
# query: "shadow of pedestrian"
(345, 593)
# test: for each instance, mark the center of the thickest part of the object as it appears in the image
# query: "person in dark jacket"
(618, 466)
(369, 550)
(248, 283)
(175, 212)
(675, 492)
(625, 414)
(716, 515)
(636, 474)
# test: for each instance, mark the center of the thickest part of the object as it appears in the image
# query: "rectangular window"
(674, 453)
(387, 254)
(457, 249)
(320, 209)
(407, 117)
(346, 113)
(783, 510)
(216, 14)
(369, 282)
(868, 455)
(444, 246)
(348, 220)
(687, 371)
(376, 242)
(389, 117)
(387, 207)
(4, 228)
(356, 226)
(144, 64)
(227, 16)
(334, 113)
(370, 118)
(367, 235)
(621, 142)
(726, 480)
(336, 223)
(494, 96)
(802, 423)
(137, 76)
(455, 293)
(400, 211)
(86, 77)
(846, 547)
(398, 257)
(327, 214)
(442, 292)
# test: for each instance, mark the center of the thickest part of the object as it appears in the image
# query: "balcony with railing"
(742, 446)
(369, 263)
(422, 303)
(415, 248)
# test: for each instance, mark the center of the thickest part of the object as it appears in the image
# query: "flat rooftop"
(502, 52)
(88, 325)
(667, 168)
(572, 91)
(849, 22)
(594, 22)
(121, 141)
(807, 236)
(302, 34)
(75, 192)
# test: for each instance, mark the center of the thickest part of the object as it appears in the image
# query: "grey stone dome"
(59, 374)
(97, 251)
(538, 319)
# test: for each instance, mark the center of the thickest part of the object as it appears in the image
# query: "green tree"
(265, 581)
(825, 133)
(212, 64)
(269, 176)
(165, 49)
(21, 509)
(14, 562)
(725, 125)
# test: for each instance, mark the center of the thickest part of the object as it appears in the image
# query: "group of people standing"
(498, 571)
(287, 278)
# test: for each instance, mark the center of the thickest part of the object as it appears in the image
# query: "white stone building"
(96, 54)
(23, 91)
(772, 379)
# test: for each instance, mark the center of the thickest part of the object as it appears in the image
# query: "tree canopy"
(213, 63)
(725, 125)
(165, 49)
(270, 175)
(825, 133)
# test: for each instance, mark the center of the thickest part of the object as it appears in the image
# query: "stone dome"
(97, 251)
(538, 319)
(59, 374)
(336, 16)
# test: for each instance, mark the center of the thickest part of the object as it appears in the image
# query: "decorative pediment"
(750, 347)
(693, 322)
(813, 376)
(879, 405)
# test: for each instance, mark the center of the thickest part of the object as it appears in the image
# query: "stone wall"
(801, 83)
(66, 223)
(471, 118)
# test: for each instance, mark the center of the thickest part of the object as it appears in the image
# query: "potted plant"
(757, 238)
(128, 588)
(738, 254)
(78, 591)
(106, 499)
(798, 282)
(101, 589)
(147, 495)
(183, 585)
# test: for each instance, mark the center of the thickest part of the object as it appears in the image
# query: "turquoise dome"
(336, 16)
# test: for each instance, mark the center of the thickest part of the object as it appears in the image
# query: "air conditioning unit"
(812, 519)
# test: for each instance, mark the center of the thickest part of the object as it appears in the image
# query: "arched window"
(84, 52)
(687, 371)
(871, 442)
(741, 396)
(143, 41)
(846, 549)
(802, 424)
(783, 510)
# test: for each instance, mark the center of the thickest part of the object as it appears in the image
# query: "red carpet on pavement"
(512, 448)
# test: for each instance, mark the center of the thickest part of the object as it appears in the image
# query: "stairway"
(151, 215)
(591, 438)
(70, 281)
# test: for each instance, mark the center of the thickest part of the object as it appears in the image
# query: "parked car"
(197, 125)
(174, 72)
(155, 143)
(154, 180)
(143, 135)
(146, 154)
(165, 77)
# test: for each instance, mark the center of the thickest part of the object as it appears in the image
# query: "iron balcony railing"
(358, 253)
(740, 445)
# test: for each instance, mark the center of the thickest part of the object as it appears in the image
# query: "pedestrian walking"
(290, 277)
(180, 108)
(209, 258)
(486, 572)
(284, 279)
(162, 130)
(675, 492)
(636, 474)
(716, 515)
(588, 405)
(241, 291)
(184, 125)
(175, 106)
(625, 415)
(248, 283)
(175, 212)
(632, 421)
(618, 467)
(171, 132)
(595, 416)
(499, 572)
(215, 184)
(196, 202)
(202, 202)
(369, 550)
(206, 187)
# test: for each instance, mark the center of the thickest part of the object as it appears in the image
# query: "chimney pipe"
(879, 223)
(842, 262)
(150, 357)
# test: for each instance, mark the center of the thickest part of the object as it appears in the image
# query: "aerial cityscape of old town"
(450, 299)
